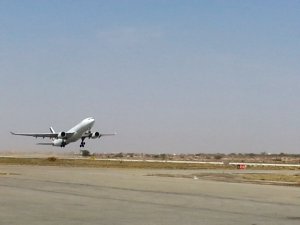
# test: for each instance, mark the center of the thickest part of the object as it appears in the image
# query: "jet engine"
(61, 135)
(95, 135)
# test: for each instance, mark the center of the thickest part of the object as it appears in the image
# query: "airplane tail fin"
(52, 130)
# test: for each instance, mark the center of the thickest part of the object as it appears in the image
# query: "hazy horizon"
(167, 76)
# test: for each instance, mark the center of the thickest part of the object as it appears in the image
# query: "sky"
(168, 76)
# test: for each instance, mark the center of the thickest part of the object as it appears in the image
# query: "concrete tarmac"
(67, 195)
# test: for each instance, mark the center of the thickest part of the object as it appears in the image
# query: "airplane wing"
(89, 135)
(42, 135)
(107, 135)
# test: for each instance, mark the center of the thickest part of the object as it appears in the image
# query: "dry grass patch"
(272, 177)
(260, 178)
(52, 161)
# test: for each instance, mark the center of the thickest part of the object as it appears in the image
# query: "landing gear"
(82, 143)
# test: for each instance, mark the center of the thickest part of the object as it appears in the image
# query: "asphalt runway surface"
(68, 195)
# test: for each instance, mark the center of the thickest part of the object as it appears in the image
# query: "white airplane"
(81, 131)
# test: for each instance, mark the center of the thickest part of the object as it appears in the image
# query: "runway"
(67, 195)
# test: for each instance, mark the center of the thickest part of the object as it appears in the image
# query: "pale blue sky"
(168, 76)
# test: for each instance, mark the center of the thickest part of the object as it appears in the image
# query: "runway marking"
(7, 174)
(293, 217)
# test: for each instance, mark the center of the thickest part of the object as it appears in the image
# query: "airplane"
(81, 131)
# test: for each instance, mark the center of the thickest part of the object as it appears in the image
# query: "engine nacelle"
(59, 142)
(95, 135)
(61, 135)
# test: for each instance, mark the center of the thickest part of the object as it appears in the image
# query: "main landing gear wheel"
(82, 144)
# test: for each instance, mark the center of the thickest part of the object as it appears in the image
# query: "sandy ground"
(68, 195)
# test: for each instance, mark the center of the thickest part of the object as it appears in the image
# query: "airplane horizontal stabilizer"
(44, 143)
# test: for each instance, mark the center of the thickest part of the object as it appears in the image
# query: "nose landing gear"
(82, 143)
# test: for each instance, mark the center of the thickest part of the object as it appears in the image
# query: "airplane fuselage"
(83, 127)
